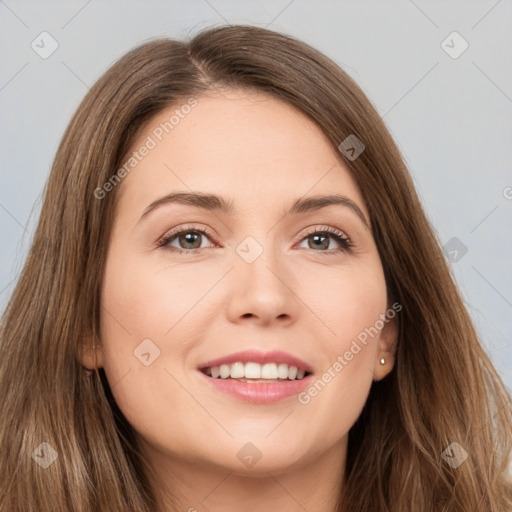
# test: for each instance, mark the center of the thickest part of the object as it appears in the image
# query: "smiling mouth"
(255, 372)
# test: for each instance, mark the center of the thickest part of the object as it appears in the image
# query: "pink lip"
(247, 356)
(259, 392)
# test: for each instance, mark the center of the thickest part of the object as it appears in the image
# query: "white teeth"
(252, 371)
(270, 371)
(224, 370)
(282, 371)
(237, 370)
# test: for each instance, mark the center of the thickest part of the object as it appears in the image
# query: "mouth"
(255, 372)
(256, 377)
(255, 366)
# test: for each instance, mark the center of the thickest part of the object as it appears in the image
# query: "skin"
(262, 154)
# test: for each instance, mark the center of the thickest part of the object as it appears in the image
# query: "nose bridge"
(260, 261)
(259, 241)
(261, 284)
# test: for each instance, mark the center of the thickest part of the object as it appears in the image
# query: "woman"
(177, 342)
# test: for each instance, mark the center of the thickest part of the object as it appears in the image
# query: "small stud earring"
(382, 361)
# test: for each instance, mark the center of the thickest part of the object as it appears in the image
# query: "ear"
(387, 343)
(91, 353)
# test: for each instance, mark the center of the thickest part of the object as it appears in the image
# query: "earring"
(382, 361)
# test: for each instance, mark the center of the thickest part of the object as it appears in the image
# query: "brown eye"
(320, 240)
(188, 240)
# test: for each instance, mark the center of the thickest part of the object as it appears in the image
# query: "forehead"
(246, 146)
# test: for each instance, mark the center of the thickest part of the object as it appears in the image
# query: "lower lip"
(259, 392)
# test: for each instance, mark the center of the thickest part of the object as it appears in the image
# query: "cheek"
(147, 325)
(147, 301)
(350, 310)
(348, 302)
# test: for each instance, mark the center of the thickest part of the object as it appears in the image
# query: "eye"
(189, 238)
(320, 239)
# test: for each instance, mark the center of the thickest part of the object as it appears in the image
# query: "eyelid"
(165, 239)
(343, 239)
(324, 229)
(185, 228)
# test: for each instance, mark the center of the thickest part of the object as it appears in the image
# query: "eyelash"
(345, 243)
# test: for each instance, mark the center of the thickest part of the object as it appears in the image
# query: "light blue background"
(451, 117)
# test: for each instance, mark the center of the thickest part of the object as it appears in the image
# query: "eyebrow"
(212, 202)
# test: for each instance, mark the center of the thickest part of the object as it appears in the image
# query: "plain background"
(451, 117)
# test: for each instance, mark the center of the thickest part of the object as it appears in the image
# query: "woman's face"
(275, 278)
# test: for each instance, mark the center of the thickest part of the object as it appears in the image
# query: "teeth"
(251, 371)
(270, 371)
(237, 371)
(224, 370)
(282, 371)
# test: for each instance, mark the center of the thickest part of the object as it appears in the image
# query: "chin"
(257, 456)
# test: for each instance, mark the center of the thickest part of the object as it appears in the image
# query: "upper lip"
(255, 356)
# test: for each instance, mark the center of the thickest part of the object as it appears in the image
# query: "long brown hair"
(442, 390)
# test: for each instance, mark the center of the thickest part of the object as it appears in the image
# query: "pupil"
(188, 238)
(323, 245)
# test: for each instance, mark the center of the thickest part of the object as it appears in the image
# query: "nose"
(263, 291)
